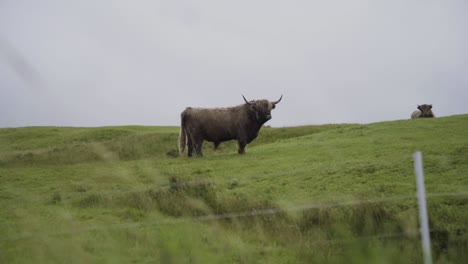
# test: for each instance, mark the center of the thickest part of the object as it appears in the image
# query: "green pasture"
(338, 193)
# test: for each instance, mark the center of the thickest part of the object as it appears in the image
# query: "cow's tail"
(182, 134)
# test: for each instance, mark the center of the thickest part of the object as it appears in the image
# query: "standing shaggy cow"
(217, 125)
(423, 111)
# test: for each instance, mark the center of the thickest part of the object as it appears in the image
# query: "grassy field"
(340, 193)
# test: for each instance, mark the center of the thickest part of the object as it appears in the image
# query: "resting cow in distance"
(423, 111)
(217, 125)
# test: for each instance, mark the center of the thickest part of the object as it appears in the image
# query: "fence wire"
(260, 212)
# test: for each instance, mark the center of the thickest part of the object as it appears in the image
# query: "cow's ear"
(430, 106)
(419, 107)
(273, 106)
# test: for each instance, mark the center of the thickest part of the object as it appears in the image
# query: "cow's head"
(425, 109)
(262, 108)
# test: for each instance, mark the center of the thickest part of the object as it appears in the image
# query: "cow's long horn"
(274, 103)
(247, 102)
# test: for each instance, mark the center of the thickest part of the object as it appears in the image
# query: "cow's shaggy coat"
(241, 123)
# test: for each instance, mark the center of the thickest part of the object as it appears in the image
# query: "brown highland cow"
(241, 123)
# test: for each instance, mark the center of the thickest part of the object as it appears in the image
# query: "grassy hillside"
(312, 194)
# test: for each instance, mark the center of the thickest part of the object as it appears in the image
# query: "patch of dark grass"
(198, 200)
(371, 218)
(246, 212)
(365, 219)
(233, 184)
(55, 198)
(92, 200)
(173, 153)
(132, 214)
(257, 215)
(142, 201)
(81, 188)
(179, 199)
(25, 157)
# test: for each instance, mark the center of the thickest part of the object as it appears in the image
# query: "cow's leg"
(198, 147)
(190, 147)
(216, 145)
(242, 145)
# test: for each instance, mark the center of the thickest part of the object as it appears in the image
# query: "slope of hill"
(332, 193)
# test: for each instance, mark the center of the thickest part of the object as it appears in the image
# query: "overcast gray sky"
(118, 62)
